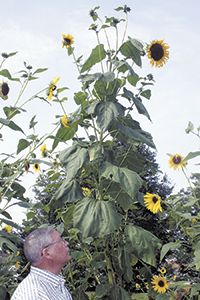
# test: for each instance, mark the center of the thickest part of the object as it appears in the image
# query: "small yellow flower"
(8, 251)
(52, 88)
(65, 121)
(147, 286)
(174, 277)
(17, 253)
(8, 228)
(138, 276)
(36, 167)
(43, 150)
(137, 286)
(152, 203)
(83, 170)
(27, 166)
(163, 270)
(193, 221)
(17, 264)
(68, 40)
(176, 161)
(88, 192)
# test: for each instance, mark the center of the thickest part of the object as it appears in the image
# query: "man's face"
(60, 250)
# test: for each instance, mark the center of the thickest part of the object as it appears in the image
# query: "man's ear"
(46, 254)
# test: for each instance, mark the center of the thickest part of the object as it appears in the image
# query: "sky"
(35, 28)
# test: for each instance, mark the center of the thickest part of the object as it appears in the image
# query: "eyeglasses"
(60, 240)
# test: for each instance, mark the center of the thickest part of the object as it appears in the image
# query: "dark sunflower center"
(5, 89)
(160, 283)
(176, 160)
(67, 41)
(155, 199)
(36, 166)
(53, 87)
(157, 51)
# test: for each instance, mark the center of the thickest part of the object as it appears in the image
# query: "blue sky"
(34, 29)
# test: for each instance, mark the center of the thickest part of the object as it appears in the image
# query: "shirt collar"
(45, 275)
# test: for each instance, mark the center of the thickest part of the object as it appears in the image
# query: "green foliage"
(92, 191)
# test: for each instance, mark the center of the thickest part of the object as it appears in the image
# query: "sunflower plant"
(100, 184)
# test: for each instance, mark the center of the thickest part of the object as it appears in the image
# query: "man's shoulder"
(27, 289)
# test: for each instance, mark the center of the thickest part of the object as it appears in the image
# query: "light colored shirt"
(41, 285)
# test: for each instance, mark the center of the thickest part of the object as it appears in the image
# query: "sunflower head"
(67, 41)
(176, 161)
(52, 87)
(4, 90)
(152, 203)
(36, 167)
(160, 284)
(158, 53)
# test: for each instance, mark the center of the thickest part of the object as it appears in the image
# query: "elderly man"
(48, 253)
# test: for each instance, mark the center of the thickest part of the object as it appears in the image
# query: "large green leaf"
(10, 124)
(138, 103)
(95, 218)
(64, 134)
(98, 54)
(73, 159)
(117, 292)
(142, 243)
(129, 181)
(107, 112)
(133, 160)
(9, 244)
(130, 51)
(118, 194)
(107, 91)
(167, 247)
(138, 135)
(68, 192)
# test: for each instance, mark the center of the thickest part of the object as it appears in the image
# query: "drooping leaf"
(107, 92)
(68, 192)
(138, 103)
(97, 55)
(138, 135)
(10, 124)
(142, 243)
(129, 181)
(118, 194)
(95, 217)
(107, 112)
(167, 247)
(73, 158)
(137, 43)
(130, 51)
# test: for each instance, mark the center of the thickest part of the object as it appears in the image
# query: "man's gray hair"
(35, 242)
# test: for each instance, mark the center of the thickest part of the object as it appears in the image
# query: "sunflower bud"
(4, 55)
